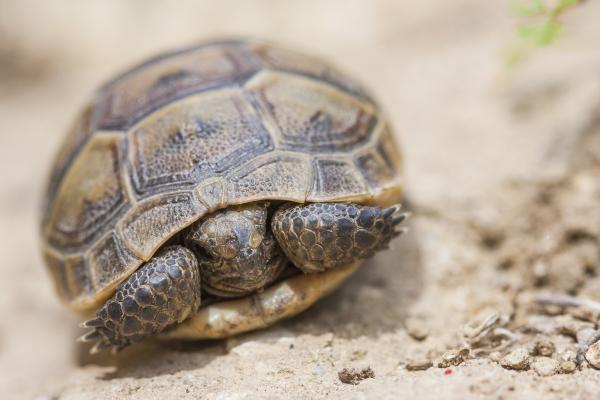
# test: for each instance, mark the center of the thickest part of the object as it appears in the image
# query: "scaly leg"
(162, 292)
(319, 236)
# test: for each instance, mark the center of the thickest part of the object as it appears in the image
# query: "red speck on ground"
(448, 372)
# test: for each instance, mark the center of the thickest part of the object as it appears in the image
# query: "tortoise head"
(236, 254)
(232, 234)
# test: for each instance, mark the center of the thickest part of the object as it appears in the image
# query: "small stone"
(568, 326)
(419, 365)
(568, 367)
(585, 340)
(416, 328)
(545, 366)
(592, 355)
(352, 376)
(544, 347)
(453, 357)
(495, 356)
(517, 359)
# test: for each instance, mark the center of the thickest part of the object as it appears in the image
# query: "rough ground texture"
(501, 173)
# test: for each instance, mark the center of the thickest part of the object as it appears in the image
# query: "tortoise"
(217, 189)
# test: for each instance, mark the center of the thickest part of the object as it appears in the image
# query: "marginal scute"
(80, 285)
(388, 150)
(280, 176)
(56, 267)
(80, 131)
(151, 222)
(110, 261)
(194, 139)
(374, 168)
(337, 179)
(90, 195)
(152, 85)
(312, 116)
(211, 194)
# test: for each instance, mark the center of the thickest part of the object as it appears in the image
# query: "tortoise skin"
(317, 237)
(197, 130)
(222, 261)
(166, 291)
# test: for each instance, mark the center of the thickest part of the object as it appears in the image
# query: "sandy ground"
(501, 174)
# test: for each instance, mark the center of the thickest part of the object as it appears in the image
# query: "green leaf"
(528, 8)
(540, 34)
(563, 5)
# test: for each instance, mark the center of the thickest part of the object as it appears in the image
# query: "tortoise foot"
(320, 236)
(164, 291)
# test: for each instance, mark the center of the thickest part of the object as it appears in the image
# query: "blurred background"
(475, 102)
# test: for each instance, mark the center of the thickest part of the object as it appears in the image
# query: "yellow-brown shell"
(196, 130)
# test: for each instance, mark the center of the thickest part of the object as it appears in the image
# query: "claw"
(91, 323)
(89, 336)
(399, 218)
(391, 210)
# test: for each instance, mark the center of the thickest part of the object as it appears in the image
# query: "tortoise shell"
(196, 130)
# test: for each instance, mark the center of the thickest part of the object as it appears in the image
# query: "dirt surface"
(494, 291)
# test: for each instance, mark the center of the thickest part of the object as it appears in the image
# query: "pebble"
(517, 359)
(568, 367)
(592, 355)
(544, 347)
(453, 357)
(545, 366)
(416, 328)
(569, 326)
(419, 365)
(353, 376)
(495, 356)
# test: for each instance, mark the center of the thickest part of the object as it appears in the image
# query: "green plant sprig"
(541, 26)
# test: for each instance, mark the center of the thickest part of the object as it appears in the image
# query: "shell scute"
(153, 221)
(76, 137)
(337, 179)
(211, 194)
(196, 138)
(84, 206)
(281, 59)
(109, 260)
(312, 116)
(153, 84)
(275, 175)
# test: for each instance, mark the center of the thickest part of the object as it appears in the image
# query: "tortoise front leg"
(319, 236)
(163, 291)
